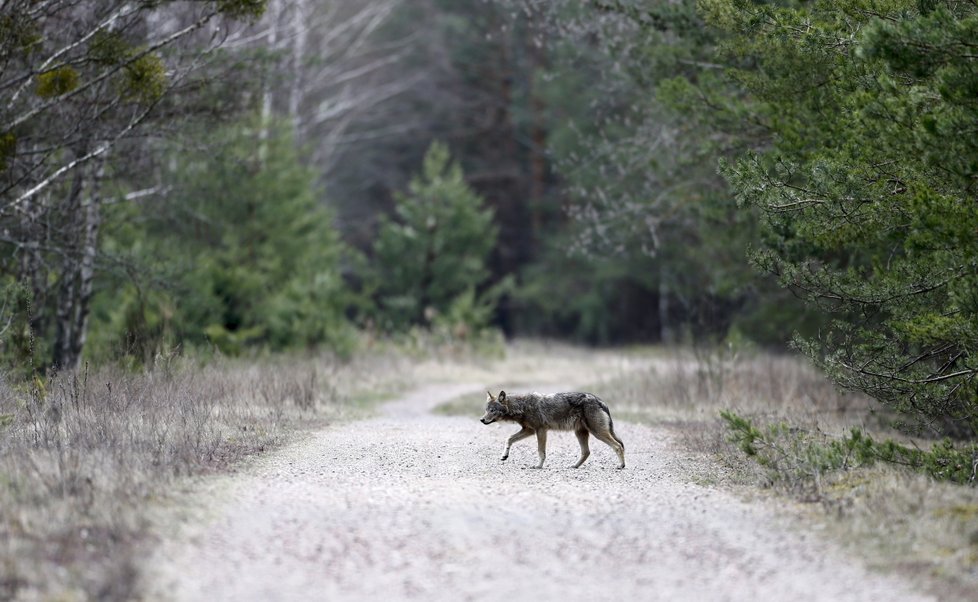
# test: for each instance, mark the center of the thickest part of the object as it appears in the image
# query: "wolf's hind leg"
(541, 446)
(613, 443)
(523, 433)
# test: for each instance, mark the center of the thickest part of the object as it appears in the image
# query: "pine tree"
(867, 191)
(435, 248)
(243, 253)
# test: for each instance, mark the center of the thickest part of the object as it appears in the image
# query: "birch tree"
(80, 80)
(328, 68)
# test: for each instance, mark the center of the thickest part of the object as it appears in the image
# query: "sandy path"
(412, 506)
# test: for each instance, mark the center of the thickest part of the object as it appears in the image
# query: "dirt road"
(413, 506)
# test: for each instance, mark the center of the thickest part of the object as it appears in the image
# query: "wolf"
(582, 413)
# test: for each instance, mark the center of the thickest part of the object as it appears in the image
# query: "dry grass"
(907, 523)
(695, 384)
(532, 364)
(896, 519)
(82, 456)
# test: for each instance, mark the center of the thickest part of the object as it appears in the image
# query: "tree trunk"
(538, 141)
(68, 289)
(86, 275)
(666, 332)
(267, 97)
(32, 271)
(78, 275)
(300, 29)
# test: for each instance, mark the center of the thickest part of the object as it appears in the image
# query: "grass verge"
(83, 455)
(892, 516)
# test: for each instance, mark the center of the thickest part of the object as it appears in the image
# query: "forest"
(235, 176)
(224, 222)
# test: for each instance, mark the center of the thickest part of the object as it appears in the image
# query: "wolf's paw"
(537, 467)
(503, 459)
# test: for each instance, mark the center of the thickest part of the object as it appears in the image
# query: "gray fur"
(582, 413)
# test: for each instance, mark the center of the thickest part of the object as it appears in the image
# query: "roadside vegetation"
(217, 216)
(85, 456)
(772, 425)
(270, 175)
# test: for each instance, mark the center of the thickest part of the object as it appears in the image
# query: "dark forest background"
(242, 175)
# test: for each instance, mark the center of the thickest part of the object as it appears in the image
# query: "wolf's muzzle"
(484, 421)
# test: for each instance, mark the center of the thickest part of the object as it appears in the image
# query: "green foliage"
(18, 34)
(469, 316)
(73, 72)
(8, 149)
(638, 154)
(108, 48)
(233, 342)
(570, 294)
(743, 433)
(17, 345)
(57, 82)
(243, 254)
(792, 454)
(434, 251)
(133, 323)
(865, 186)
(145, 79)
(251, 9)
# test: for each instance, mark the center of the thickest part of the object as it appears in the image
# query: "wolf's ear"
(502, 397)
(489, 396)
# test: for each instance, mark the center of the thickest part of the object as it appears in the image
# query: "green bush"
(791, 454)
(432, 255)
(243, 253)
(57, 82)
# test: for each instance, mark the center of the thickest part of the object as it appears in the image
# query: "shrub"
(434, 251)
(792, 454)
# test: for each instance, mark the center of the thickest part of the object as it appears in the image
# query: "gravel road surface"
(414, 506)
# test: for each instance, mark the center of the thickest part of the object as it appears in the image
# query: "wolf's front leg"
(541, 446)
(523, 433)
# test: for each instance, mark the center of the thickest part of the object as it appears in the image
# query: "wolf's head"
(496, 407)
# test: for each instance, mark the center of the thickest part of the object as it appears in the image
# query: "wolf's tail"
(611, 423)
(611, 429)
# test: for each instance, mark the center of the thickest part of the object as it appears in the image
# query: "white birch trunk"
(78, 269)
(267, 97)
(300, 34)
